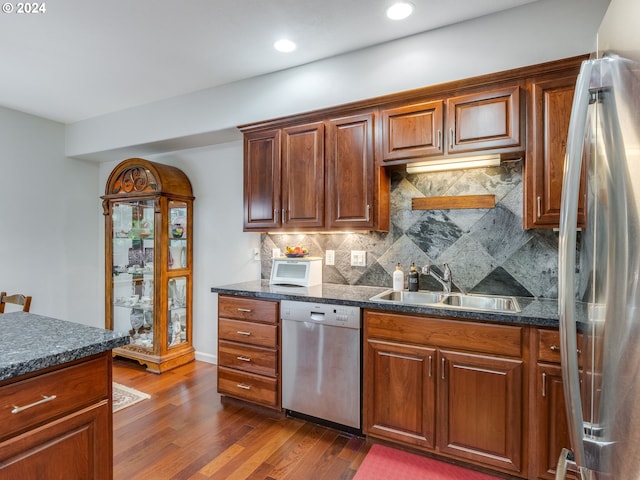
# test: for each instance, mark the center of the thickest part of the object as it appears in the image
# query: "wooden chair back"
(15, 299)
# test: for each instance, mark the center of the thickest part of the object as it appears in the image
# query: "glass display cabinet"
(148, 209)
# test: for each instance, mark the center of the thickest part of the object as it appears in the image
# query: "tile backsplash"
(487, 249)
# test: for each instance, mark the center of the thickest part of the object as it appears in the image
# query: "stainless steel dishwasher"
(321, 361)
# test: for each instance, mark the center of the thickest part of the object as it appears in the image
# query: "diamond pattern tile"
(487, 249)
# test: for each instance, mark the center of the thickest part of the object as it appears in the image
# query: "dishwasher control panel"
(328, 314)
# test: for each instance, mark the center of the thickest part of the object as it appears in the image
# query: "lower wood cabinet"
(480, 409)
(248, 350)
(455, 388)
(400, 398)
(69, 436)
(550, 418)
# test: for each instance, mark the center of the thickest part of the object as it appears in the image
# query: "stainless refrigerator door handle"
(566, 264)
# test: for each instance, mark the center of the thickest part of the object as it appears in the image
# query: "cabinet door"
(262, 180)
(349, 160)
(399, 398)
(412, 131)
(303, 176)
(551, 420)
(484, 120)
(544, 168)
(75, 447)
(480, 409)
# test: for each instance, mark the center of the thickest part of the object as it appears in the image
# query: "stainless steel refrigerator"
(599, 267)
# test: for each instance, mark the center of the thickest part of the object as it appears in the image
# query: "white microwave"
(301, 272)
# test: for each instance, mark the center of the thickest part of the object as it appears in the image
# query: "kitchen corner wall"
(487, 249)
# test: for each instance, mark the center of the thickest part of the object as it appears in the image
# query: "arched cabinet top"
(137, 176)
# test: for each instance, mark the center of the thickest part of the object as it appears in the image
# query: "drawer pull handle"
(243, 386)
(244, 359)
(245, 310)
(556, 348)
(45, 399)
(240, 332)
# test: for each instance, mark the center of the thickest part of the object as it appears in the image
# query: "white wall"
(49, 216)
(534, 33)
(222, 252)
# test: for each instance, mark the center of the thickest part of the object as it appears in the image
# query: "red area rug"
(384, 463)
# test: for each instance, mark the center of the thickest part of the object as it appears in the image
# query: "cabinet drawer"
(549, 346)
(73, 387)
(242, 308)
(257, 360)
(477, 337)
(248, 332)
(255, 388)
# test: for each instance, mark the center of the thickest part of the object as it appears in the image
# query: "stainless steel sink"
(422, 297)
(486, 303)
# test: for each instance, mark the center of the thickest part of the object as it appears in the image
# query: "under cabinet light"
(454, 164)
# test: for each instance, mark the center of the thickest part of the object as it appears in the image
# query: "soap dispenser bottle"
(414, 279)
(398, 279)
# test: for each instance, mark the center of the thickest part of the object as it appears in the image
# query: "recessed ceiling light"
(284, 45)
(400, 10)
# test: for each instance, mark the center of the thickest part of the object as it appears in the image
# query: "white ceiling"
(85, 58)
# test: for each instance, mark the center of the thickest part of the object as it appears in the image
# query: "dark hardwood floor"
(186, 432)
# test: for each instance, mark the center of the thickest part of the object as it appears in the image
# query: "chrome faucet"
(445, 279)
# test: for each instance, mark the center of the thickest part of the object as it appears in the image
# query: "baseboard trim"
(207, 357)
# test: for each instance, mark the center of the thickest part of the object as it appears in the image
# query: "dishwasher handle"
(316, 316)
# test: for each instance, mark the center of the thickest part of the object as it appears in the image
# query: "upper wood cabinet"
(478, 121)
(485, 120)
(262, 179)
(314, 176)
(549, 114)
(350, 172)
(303, 176)
(284, 178)
(412, 130)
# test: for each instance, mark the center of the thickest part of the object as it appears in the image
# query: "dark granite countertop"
(534, 311)
(33, 342)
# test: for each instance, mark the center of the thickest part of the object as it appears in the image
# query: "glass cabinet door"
(177, 324)
(177, 235)
(133, 269)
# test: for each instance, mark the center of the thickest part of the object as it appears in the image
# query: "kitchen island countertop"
(534, 311)
(31, 342)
